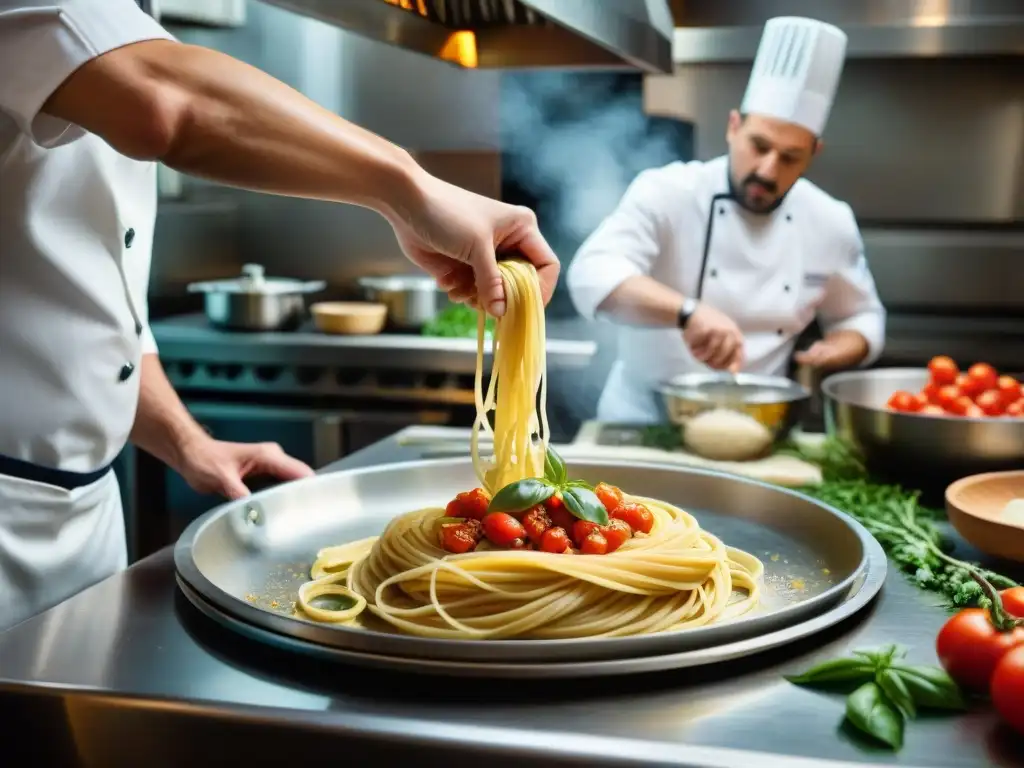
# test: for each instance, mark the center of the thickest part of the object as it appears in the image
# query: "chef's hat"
(796, 72)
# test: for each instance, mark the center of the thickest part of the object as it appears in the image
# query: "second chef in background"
(721, 265)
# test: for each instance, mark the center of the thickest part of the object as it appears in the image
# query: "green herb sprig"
(579, 497)
(886, 692)
(906, 530)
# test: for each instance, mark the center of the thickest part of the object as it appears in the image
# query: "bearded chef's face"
(766, 157)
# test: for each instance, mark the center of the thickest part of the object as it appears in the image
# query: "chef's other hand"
(216, 466)
(842, 349)
(457, 235)
(714, 339)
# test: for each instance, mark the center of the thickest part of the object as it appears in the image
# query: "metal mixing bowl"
(412, 300)
(926, 452)
(775, 401)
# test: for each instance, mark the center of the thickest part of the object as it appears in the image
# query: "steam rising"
(576, 143)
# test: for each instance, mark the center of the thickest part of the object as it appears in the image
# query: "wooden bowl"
(352, 318)
(975, 507)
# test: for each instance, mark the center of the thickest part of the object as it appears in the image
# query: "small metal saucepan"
(254, 302)
(412, 300)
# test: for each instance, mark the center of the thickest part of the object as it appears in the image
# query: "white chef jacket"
(771, 273)
(76, 231)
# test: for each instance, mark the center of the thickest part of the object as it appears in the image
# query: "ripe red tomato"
(504, 530)
(1009, 388)
(1007, 688)
(609, 495)
(931, 392)
(991, 402)
(933, 410)
(556, 541)
(974, 412)
(970, 387)
(471, 505)
(458, 538)
(560, 516)
(961, 406)
(617, 533)
(969, 647)
(920, 401)
(637, 516)
(1013, 601)
(581, 529)
(902, 401)
(1015, 409)
(536, 522)
(947, 396)
(943, 370)
(984, 374)
(594, 544)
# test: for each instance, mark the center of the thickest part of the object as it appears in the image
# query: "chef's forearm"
(642, 300)
(163, 426)
(209, 115)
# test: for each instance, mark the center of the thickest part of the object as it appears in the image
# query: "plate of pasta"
(516, 557)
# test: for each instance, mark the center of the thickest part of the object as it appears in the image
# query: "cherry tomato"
(961, 405)
(594, 544)
(1007, 688)
(458, 538)
(984, 374)
(504, 530)
(556, 541)
(560, 516)
(472, 505)
(968, 386)
(581, 529)
(609, 495)
(943, 370)
(536, 521)
(969, 647)
(617, 533)
(974, 412)
(636, 515)
(933, 410)
(902, 401)
(1015, 409)
(1013, 601)
(930, 391)
(920, 401)
(947, 395)
(1009, 388)
(991, 402)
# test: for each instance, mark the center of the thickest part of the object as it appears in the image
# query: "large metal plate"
(248, 558)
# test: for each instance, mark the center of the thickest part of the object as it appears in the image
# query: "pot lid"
(253, 280)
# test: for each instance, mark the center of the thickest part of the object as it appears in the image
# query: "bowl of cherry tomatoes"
(926, 427)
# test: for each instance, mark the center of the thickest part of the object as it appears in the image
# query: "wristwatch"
(686, 312)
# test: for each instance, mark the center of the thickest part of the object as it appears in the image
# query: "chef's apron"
(752, 270)
(60, 532)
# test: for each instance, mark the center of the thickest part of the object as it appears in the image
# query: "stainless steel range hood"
(511, 34)
(728, 31)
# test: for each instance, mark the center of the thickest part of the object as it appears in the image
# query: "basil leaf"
(521, 495)
(579, 484)
(836, 671)
(554, 467)
(870, 712)
(930, 687)
(896, 691)
(584, 504)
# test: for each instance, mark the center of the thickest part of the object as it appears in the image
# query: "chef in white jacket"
(722, 264)
(92, 93)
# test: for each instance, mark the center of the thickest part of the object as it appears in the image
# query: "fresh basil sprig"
(887, 692)
(579, 498)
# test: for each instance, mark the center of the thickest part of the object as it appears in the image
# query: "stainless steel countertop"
(191, 338)
(128, 673)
